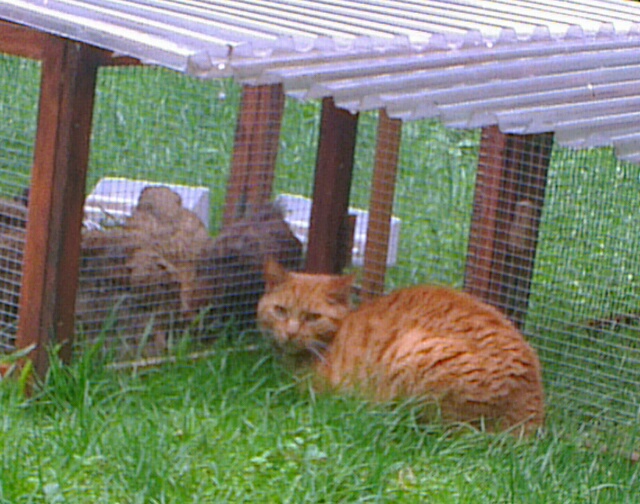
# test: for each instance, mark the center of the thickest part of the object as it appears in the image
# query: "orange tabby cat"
(429, 343)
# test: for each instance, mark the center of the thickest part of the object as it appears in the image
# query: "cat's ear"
(339, 291)
(274, 274)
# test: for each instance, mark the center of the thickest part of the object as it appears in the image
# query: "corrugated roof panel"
(206, 29)
(451, 73)
(466, 115)
(543, 117)
(596, 131)
(526, 65)
(626, 147)
(493, 94)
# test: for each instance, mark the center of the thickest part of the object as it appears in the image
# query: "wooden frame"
(47, 299)
(255, 150)
(508, 200)
(52, 247)
(381, 205)
(510, 192)
(329, 227)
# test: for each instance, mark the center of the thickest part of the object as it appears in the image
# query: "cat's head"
(301, 311)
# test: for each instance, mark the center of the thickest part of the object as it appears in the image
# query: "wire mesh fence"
(159, 160)
(193, 184)
(584, 299)
(18, 109)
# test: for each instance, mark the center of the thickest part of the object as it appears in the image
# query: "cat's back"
(435, 310)
(439, 342)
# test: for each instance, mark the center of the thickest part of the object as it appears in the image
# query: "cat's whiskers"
(317, 349)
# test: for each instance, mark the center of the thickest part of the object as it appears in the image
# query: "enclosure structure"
(502, 210)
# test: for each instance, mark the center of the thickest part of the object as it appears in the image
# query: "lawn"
(234, 427)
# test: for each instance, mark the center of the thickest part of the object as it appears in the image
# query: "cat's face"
(302, 312)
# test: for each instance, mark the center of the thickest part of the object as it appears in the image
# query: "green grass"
(235, 428)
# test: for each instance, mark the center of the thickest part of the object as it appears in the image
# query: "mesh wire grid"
(583, 311)
(19, 80)
(452, 212)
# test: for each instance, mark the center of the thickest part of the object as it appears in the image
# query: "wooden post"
(52, 249)
(21, 41)
(381, 205)
(510, 190)
(255, 150)
(334, 167)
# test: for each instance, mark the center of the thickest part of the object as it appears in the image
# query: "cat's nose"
(293, 326)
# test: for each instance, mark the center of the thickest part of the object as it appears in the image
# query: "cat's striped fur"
(433, 344)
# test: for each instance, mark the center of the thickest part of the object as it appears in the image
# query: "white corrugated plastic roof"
(526, 65)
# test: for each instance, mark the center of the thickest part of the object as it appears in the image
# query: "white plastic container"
(297, 214)
(113, 199)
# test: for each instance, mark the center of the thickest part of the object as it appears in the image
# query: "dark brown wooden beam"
(509, 196)
(107, 58)
(381, 205)
(19, 40)
(52, 249)
(484, 220)
(255, 150)
(25, 42)
(334, 167)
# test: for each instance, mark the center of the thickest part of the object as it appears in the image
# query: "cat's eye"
(280, 312)
(311, 317)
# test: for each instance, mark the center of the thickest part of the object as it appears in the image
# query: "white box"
(113, 199)
(297, 214)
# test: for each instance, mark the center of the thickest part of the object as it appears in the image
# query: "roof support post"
(329, 227)
(383, 188)
(255, 150)
(509, 197)
(52, 249)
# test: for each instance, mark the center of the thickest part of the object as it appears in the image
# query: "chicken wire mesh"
(19, 81)
(552, 243)
(547, 234)
(183, 215)
(583, 310)
(192, 184)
